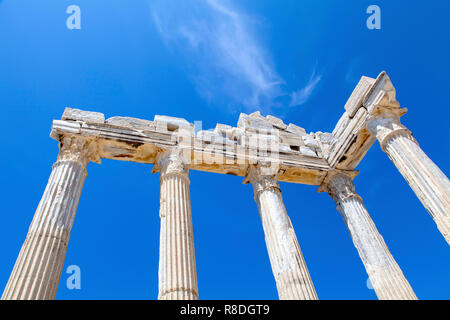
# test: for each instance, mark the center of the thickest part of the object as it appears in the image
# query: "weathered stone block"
(236, 134)
(171, 123)
(290, 138)
(295, 129)
(356, 99)
(263, 141)
(257, 115)
(80, 115)
(286, 148)
(208, 135)
(131, 123)
(224, 130)
(310, 142)
(276, 122)
(325, 137)
(253, 123)
(306, 151)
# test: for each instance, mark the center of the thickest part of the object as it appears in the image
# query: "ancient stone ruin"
(262, 150)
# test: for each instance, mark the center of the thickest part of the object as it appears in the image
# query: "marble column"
(384, 273)
(177, 267)
(288, 265)
(38, 268)
(429, 183)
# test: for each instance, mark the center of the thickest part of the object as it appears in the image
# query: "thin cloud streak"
(225, 55)
(302, 96)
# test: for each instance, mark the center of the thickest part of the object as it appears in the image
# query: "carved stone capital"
(339, 186)
(263, 177)
(385, 126)
(171, 162)
(78, 149)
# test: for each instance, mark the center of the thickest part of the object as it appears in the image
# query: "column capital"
(171, 162)
(386, 125)
(339, 185)
(78, 149)
(263, 176)
(383, 121)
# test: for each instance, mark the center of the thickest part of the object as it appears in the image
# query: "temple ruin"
(262, 150)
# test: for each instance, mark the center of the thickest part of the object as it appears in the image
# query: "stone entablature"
(226, 149)
(304, 158)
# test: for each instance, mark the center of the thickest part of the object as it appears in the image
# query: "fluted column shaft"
(384, 273)
(429, 183)
(177, 267)
(288, 265)
(38, 268)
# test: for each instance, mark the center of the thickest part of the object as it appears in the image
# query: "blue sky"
(209, 61)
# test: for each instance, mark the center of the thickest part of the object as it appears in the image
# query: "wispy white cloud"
(302, 96)
(225, 54)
